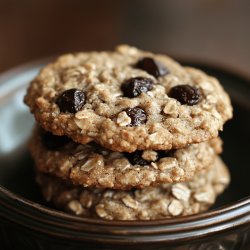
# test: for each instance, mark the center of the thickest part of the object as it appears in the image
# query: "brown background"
(214, 30)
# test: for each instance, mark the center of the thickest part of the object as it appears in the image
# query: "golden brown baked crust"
(167, 200)
(169, 124)
(93, 166)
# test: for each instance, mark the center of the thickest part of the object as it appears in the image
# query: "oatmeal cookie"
(128, 100)
(91, 165)
(166, 200)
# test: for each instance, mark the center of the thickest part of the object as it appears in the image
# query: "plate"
(16, 165)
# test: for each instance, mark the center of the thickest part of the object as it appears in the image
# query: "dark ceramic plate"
(27, 223)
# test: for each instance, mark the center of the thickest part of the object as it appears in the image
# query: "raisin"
(152, 66)
(135, 86)
(135, 158)
(138, 116)
(71, 100)
(185, 94)
(165, 153)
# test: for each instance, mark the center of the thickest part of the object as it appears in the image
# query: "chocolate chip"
(152, 66)
(71, 100)
(135, 158)
(138, 116)
(185, 94)
(137, 85)
(53, 142)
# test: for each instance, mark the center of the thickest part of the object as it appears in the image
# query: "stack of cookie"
(127, 135)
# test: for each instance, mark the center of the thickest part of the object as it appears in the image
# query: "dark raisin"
(53, 142)
(71, 100)
(137, 85)
(138, 116)
(135, 158)
(185, 94)
(152, 66)
(165, 153)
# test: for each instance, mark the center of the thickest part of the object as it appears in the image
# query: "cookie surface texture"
(164, 201)
(128, 100)
(91, 165)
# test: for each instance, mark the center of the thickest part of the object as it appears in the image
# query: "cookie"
(167, 200)
(128, 100)
(90, 165)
